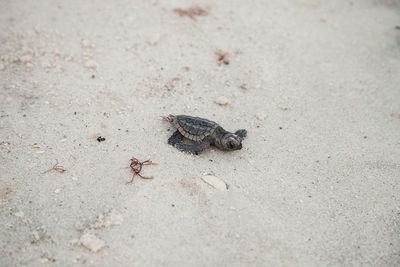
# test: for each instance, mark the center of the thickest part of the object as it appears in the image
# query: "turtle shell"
(194, 128)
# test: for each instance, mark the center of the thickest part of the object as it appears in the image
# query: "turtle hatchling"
(203, 133)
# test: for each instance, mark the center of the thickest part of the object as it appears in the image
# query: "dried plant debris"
(222, 57)
(57, 168)
(215, 182)
(136, 168)
(394, 115)
(191, 12)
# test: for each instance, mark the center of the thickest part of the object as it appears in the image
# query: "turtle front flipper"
(175, 138)
(241, 133)
(195, 148)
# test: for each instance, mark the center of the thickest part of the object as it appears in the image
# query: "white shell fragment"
(260, 116)
(215, 182)
(92, 242)
(222, 101)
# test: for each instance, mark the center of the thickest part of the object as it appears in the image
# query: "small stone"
(215, 182)
(74, 242)
(35, 237)
(74, 178)
(79, 226)
(58, 190)
(92, 242)
(2, 67)
(154, 40)
(222, 101)
(26, 59)
(260, 116)
(244, 86)
(59, 69)
(19, 214)
(91, 64)
(27, 50)
(86, 44)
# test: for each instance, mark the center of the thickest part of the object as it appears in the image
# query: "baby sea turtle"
(204, 133)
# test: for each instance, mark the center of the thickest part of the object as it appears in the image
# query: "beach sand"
(315, 83)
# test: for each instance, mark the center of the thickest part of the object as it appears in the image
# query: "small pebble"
(2, 67)
(86, 44)
(26, 59)
(154, 40)
(260, 116)
(74, 178)
(222, 101)
(91, 64)
(243, 86)
(19, 214)
(79, 226)
(58, 190)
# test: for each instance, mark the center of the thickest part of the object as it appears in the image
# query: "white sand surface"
(315, 83)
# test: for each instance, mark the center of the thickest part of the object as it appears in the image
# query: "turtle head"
(232, 141)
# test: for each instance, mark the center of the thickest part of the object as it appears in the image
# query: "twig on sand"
(191, 12)
(222, 57)
(57, 168)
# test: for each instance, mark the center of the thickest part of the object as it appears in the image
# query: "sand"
(315, 83)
